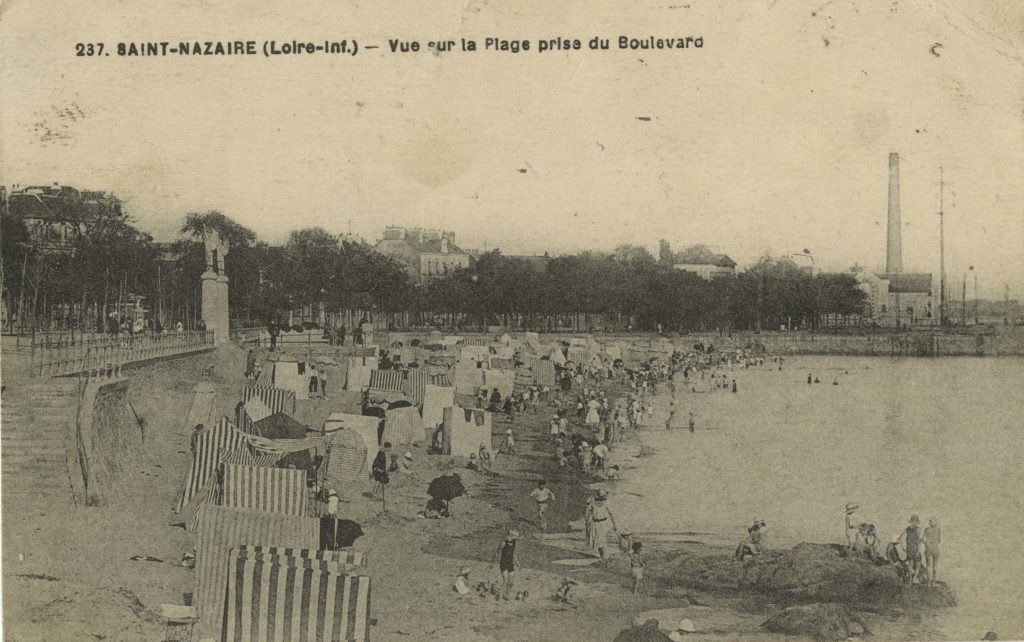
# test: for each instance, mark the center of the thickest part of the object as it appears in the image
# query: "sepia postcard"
(483, 321)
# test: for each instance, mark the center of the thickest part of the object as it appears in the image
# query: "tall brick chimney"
(894, 241)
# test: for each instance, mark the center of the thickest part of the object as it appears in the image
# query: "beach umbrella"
(338, 533)
(446, 487)
(375, 411)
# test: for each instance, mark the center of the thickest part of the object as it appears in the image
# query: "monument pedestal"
(215, 305)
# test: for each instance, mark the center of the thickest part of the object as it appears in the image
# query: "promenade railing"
(106, 355)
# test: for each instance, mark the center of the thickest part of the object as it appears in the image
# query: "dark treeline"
(104, 263)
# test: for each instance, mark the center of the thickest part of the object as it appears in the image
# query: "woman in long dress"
(602, 519)
(593, 416)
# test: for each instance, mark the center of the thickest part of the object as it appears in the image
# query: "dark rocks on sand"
(646, 632)
(817, 621)
(809, 573)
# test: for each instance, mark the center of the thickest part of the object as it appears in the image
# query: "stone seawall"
(110, 436)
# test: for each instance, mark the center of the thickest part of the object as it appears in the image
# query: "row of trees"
(629, 283)
(104, 262)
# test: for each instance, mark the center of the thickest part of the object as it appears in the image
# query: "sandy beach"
(69, 572)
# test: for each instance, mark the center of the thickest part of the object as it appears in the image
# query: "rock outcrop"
(807, 573)
(816, 621)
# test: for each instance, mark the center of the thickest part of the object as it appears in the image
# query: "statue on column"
(216, 250)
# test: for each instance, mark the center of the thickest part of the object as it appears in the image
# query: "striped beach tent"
(222, 529)
(211, 493)
(347, 457)
(271, 490)
(296, 599)
(347, 561)
(416, 381)
(210, 447)
(386, 380)
(403, 424)
(276, 399)
(368, 429)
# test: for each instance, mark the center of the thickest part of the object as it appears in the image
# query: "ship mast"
(942, 254)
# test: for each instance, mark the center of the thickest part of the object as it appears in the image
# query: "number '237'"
(89, 49)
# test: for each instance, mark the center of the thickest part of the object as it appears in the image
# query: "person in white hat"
(685, 627)
(407, 460)
(332, 502)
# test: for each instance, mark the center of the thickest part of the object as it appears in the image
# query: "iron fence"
(106, 355)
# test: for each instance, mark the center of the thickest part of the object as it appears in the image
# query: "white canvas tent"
(435, 400)
(292, 375)
(466, 429)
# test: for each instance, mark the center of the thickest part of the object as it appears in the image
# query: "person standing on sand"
(851, 528)
(314, 379)
(508, 563)
(636, 564)
(380, 469)
(542, 495)
(932, 539)
(600, 515)
(484, 457)
(911, 541)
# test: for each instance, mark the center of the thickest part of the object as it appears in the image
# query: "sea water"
(941, 438)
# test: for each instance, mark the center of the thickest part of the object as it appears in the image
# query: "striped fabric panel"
(345, 558)
(244, 455)
(386, 380)
(222, 529)
(416, 385)
(579, 356)
(346, 461)
(477, 341)
(276, 399)
(266, 377)
(443, 380)
(210, 494)
(271, 490)
(295, 603)
(223, 436)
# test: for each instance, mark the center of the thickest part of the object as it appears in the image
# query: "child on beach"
(462, 581)
(636, 563)
(542, 495)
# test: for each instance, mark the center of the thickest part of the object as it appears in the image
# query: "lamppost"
(975, 294)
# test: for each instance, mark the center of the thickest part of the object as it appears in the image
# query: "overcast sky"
(775, 135)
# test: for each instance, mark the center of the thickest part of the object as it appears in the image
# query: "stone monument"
(215, 287)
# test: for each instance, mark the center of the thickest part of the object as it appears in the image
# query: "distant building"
(897, 298)
(54, 214)
(425, 253)
(706, 265)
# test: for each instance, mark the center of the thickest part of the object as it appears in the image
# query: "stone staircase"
(37, 427)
